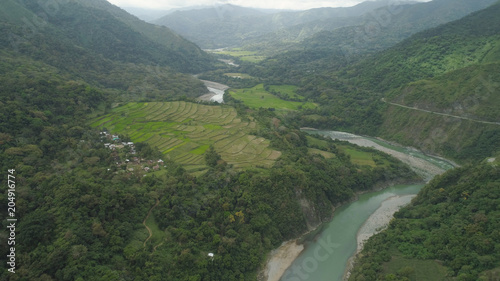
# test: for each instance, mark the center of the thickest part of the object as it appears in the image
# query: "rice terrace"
(184, 131)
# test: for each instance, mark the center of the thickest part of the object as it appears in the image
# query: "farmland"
(183, 131)
(286, 90)
(243, 55)
(257, 97)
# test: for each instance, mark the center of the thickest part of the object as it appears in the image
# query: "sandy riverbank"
(420, 166)
(381, 218)
(377, 222)
(281, 259)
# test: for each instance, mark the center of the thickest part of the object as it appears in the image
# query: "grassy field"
(416, 269)
(258, 97)
(184, 131)
(288, 90)
(158, 235)
(323, 153)
(242, 54)
(358, 155)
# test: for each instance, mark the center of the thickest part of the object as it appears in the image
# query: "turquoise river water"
(326, 256)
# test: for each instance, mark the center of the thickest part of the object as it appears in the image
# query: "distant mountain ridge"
(374, 31)
(229, 25)
(146, 15)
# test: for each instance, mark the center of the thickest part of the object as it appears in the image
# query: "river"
(216, 92)
(328, 255)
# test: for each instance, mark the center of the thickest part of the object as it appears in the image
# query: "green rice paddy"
(183, 131)
(287, 90)
(243, 55)
(258, 97)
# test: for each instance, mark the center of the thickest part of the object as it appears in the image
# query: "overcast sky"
(274, 4)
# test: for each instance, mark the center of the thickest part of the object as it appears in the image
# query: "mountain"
(452, 46)
(112, 32)
(452, 71)
(91, 45)
(230, 26)
(212, 27)
(355, 37)
(147, 15)
(387, 26)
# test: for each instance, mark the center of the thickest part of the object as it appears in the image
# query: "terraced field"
(184, 131)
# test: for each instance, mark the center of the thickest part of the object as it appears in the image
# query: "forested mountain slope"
(100, 55)
(449, 232)
(468, 41)
(107, 30)
(327, 52)
(459, 67)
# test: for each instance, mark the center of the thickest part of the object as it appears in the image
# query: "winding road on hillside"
(443, 114)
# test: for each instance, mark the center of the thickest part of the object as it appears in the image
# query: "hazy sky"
(275, 4)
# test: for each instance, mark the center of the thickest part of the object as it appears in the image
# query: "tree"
(212, 157)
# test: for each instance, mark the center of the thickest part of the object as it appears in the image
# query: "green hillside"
(84, 55)
(449, 232)
(472, 40)
(455, 110)
(470, 92)
(107, 30)
(184, 131)
(387, 26)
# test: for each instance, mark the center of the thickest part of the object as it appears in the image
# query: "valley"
(231, 143)
(383, 204)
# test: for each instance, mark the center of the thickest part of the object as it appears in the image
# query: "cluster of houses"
(134, 164)
(116, 144)
(121, 146)
(146, 165)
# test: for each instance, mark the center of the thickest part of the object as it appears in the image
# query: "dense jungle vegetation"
(85, 214)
